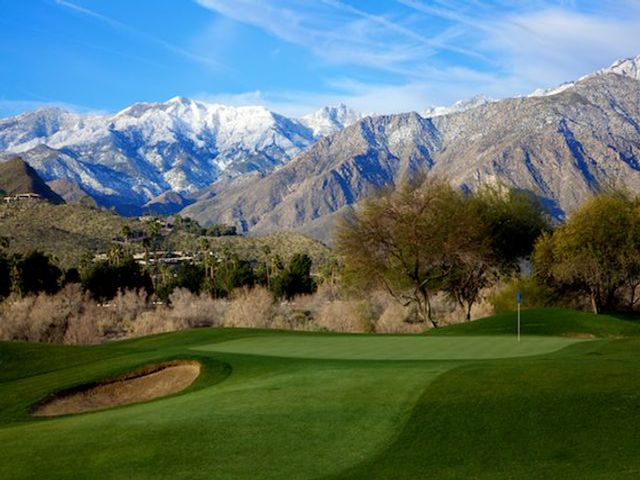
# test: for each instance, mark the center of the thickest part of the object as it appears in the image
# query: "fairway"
(391, 347)
(467, 401)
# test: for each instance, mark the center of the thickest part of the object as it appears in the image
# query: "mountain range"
(262, 171)
(562, 145)
(170, 150)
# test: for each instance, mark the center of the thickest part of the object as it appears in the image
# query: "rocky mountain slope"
(71, 231)
(17, 177)
(146, 150)
(459, 106)
(563, 146)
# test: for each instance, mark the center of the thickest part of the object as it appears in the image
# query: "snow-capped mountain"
(125, 160)
(627, 67)
(564, 148)
(329, 120)
(459, 106)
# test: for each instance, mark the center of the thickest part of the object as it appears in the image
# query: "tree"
(71, 275)
(231, 273)
(146, 245)
(501, 226)
(208, 260)
(35, 273)
(514, 218)
(295, 279)
(126, 235)
(405, 241)
(189, 276)
(5, 268)
(595, 251)
(328, 273)
(221, 230)
(155, 238)
(116, 254)
(104, 280)
(427, 236)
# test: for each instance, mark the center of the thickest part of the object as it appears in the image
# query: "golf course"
(459, 402)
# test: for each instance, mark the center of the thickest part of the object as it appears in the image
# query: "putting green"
(390, 347)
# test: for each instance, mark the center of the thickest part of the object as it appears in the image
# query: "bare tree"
(406, 241)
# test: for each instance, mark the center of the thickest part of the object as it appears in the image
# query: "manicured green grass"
(547, 321)
(272, 405)
(569, 417)
(357, 347)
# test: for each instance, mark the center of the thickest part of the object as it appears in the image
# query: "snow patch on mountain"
(459, 106)
(329, 120)
(180, 145)
(628, 67)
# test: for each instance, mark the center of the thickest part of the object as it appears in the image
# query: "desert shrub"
(344, 316)
(125, 308)
(67, 317)
(394, 320)
(189, 310)
(153, 321)
(15, 324)
(250, 308)
(290, 317)
(84, 328)
(185, 310)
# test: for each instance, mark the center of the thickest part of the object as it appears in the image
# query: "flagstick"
(518, 321)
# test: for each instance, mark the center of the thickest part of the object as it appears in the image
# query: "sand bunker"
(139, 386)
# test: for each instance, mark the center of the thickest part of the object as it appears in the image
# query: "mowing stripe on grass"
(390, 347)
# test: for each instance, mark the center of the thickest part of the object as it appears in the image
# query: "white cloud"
(499, 49)
(511, 47)
(338, 33)
(546, 43)
(554, 45)
(365, 97)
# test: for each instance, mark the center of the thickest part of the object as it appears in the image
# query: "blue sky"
(296, 56)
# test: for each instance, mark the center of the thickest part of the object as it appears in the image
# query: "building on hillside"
(23, 197)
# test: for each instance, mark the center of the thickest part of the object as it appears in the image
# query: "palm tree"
(126, 234)
(206, 255)
(266, 250)
(115, 254)
(154, 234)
(146, 244)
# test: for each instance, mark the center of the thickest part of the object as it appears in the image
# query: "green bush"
(189, 276)
(5, 276)
(295, 279)
(534, 295)
(37, 273)
(104, 281)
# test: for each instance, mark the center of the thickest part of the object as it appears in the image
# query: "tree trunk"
(424, 307)
(632, 296)
(594, 303)
(434, 324)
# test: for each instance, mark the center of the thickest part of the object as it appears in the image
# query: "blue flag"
(519, 297)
